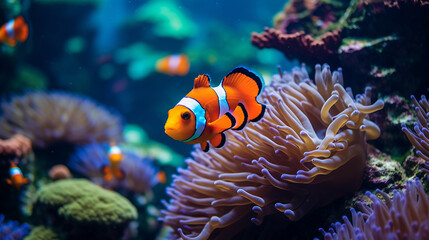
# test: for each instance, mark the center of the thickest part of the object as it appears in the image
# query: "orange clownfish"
(13, 31)
(115, 157)
(176, 64)
(206, 112)
(16, 178)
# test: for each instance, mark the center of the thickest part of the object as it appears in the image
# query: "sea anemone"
(59, 172)
(308, 150)
(17, 145)
(140, 175)
(12, 229)
(420, 137)
(406, 216)
(46, 118)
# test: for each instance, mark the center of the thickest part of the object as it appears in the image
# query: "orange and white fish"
(16, 178)
(206, 112)
(176, 64)
(115, 157)
(13, 31)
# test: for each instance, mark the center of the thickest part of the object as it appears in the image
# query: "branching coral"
(406, 216)
(17, 145)
(139, 172)
(12, 229)
(420, 137)
(308, 150)
(46, 118)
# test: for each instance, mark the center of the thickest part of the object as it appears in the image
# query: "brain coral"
(46, 118)
(406, 216)
(309, 149)
(420, 137)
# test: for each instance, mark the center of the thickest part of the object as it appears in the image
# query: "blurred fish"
(206, 112)
(161, 176)
(176, 64)
(115, 157)
(13, 31)
(16, 178)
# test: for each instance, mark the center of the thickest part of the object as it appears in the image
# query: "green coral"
(81, 201)
(42, 233)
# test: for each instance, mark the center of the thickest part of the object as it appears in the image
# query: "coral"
(59, 172)
(17, 145)
(420, 137)
(300, 44)
(406, 216)
(12, 230)
(42, 233)
(140, 175)
(80, 209)
(46, 118)
(308, 150)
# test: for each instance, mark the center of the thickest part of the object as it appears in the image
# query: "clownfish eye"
(186, 115)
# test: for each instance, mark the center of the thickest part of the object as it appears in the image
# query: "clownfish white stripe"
(15, 171)
(200, 116)
(9, 28)
(174, 61)
(223, 103)
(115, 150)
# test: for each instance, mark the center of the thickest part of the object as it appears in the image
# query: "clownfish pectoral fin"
(25, 181)
(219, 140)
(205, 146)
(242, 79)
(241, 116)
(8, 181)
(202, 81)
(223, 123)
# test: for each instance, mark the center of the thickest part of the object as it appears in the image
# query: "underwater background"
(340, 152)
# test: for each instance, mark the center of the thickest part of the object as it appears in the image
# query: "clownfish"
(206, 112)
(16, 178)
(13, 31)
(115, 156)
(176, 64)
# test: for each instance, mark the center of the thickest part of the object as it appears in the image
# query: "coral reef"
(59, 172)
(406, 216)
(84, 209)
(308, 150)
(353, 34)
(139, 172)
(46, 118)
(17, 145)
(12, 229)
(420, 137)
(42, 233)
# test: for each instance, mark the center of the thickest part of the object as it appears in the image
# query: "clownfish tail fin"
(244, 80)
(21, 29)
(219, 140)
(8, 181)
(241, 115)
(205, 146)
(26, 181)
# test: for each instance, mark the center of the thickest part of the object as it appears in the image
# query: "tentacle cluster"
(308, 150)
(420, 137)
(406, 216)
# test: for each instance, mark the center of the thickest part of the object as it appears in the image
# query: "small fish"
(176, 64)
(13, 31)
(115, 157)
(161, 176)
(206, 112)
(16, 178)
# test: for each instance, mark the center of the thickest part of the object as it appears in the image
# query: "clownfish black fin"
(223, 123)
(205, 146)
(219, 140)
(242, 79)
(202, 81)
(240, 114)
